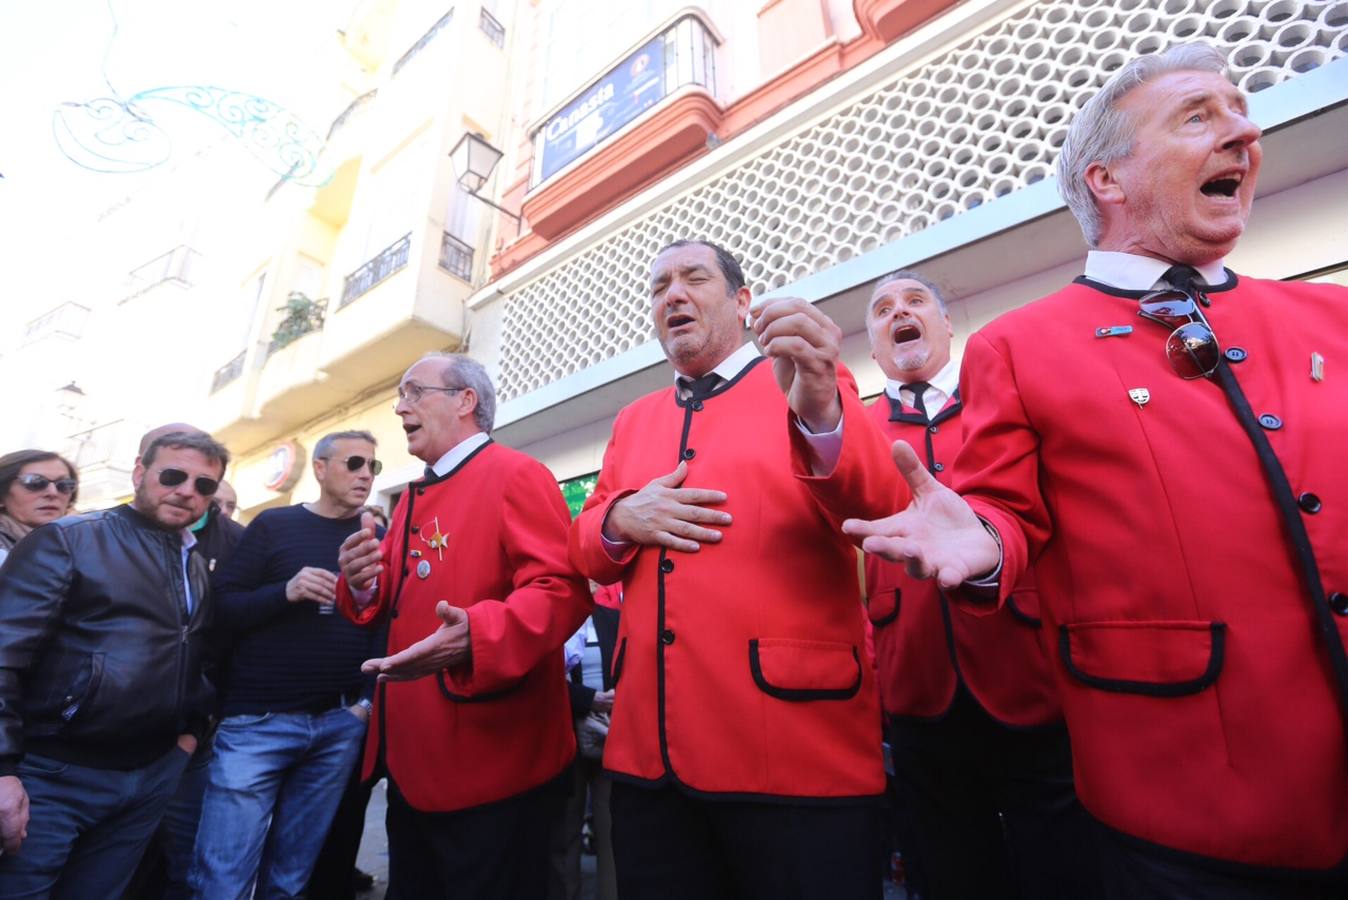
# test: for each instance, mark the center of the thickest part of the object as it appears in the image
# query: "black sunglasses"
(38, 483)
(1192, 347)
(174, 477)
(356, 463)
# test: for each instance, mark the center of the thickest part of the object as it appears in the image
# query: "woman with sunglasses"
(36, 487)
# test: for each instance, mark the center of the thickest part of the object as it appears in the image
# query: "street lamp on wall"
(474, 160)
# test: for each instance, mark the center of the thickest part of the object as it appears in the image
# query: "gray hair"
(465, 372)
(324, 445)
(199, 441)
(908, 275)
(1101, 133)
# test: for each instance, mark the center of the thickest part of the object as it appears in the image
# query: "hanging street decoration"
(112, 135)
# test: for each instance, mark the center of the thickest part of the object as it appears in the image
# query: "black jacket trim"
(1020, 614)
(667, 781)
(618, 662)
(1295, 526)
(885, 620)
(1228, 284)
(436, 479)
(797, 694)
(1149, 688)
(720, 388)
(1335, 875)
(897, 414)
(476, 698)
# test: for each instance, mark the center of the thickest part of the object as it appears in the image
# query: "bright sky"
(57, 51)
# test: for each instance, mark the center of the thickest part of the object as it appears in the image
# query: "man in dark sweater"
(295, 704)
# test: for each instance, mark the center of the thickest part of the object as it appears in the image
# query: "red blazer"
(493, 533)
(1196, 659)
(739, 667)
(923, 648)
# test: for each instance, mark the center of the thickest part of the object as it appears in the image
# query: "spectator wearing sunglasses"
(294, 702)
(1164, 438)
(102, 693)
(36, 487)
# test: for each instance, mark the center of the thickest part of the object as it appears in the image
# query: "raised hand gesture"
(937, 536)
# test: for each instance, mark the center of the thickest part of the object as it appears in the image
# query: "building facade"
(824, 142)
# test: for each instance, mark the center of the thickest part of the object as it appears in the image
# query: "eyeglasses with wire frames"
(1191, 348)
(38, 483)
(356, 463)
(413, 392)
(204, 486)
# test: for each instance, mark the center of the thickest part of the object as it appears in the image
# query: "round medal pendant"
(424, 569)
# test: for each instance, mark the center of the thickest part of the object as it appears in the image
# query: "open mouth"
(409, 430)
(678, 320)
(905, 333)
(1222, 186)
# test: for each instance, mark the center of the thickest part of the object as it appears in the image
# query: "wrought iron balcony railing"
(302, 316)
(491, 28)
(423, 41)
(352, 109)
(390, 259)
(230, 371)
(456, 257)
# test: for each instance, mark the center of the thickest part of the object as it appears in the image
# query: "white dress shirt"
(458, 453)
(1132, 272)
(943, 385)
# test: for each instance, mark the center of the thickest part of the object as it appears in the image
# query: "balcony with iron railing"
(302, 316)
(492, 28)
(229, 372)
(423, 42)
(353, 109)
(456, 257)
(385, 263)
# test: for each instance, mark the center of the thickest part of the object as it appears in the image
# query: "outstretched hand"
(937, 536)
(663, 513)
(447, 646)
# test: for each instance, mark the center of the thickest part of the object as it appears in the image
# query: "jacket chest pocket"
(798, 670)
(883, 606)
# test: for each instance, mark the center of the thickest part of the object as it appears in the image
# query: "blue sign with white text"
(625, 92)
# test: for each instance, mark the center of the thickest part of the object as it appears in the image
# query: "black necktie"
(1187, 279)
(919, 388)
(429, 473)
(700, 387)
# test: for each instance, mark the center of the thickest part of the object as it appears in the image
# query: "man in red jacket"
(1165, 439)
(471, 720)
(745, 740)
(981, 757)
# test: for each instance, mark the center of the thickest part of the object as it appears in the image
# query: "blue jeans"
(87, 828)
(274, 784)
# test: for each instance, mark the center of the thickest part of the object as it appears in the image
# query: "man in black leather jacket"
(102, 694)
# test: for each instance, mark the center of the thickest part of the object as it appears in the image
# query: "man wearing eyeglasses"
(294, 703)
(102, 697)
(473, 721)
(1165, 438)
